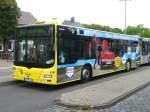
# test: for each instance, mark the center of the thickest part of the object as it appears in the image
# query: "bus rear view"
(35, 54)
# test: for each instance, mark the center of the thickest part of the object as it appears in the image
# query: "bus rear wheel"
(128, 66)
(86, 74)
(149, 60)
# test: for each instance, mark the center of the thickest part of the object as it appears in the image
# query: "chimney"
(73, 19)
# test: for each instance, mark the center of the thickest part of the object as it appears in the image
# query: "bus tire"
(149, 60)
(128, 66)
(85, 74)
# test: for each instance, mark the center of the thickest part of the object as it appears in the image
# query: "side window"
(112, 45)
(63, 46)
(1, 46)
(86, 49)
(149, 47)
(134, 46)
(78, 48)
(145, 48)
(119, 47)
(69, 48)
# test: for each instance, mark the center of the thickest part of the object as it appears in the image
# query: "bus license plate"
(108, 62)
(28, 79)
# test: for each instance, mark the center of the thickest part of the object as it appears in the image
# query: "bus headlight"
(47, 76)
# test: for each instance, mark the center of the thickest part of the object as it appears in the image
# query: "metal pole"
(125, 15)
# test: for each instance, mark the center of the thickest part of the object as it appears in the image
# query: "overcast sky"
(104, 12)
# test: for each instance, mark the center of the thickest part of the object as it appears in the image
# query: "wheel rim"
(128, 66)
(86, 74)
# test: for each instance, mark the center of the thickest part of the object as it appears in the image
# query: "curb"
(5, 68)
(104, 105)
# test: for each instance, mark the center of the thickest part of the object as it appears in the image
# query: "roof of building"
(27, 18)
(72, 22)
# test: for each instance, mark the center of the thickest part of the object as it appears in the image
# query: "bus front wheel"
(85, 74)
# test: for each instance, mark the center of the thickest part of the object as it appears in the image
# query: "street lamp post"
(125, 14)
(125, 22)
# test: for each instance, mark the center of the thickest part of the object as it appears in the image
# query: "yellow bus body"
(36, 75)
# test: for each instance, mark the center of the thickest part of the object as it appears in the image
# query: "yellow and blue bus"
(55, 54)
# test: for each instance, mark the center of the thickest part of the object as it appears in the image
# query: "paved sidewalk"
(5, 64)
(107, 93)
(5, 72)
(5, 79)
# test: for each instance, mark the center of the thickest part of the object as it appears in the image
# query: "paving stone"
(138, 102)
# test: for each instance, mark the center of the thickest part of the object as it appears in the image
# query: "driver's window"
(22, 50)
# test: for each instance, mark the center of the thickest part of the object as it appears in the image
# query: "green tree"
(138, 30)
(131, 30)
(117, 30)
(9, 15)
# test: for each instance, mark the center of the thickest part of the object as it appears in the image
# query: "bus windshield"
(34, 46)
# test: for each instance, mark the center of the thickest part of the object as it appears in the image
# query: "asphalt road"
(26, 97)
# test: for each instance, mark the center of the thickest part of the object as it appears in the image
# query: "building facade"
(26, 18)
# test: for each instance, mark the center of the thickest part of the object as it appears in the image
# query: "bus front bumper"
(35, 75)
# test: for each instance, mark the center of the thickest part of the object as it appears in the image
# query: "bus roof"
(41, 23)
(48, 22)
(104, 34)
(89, 32)
(111, 35)
(146, 39)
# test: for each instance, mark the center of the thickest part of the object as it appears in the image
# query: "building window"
(11, 45)
(1, 46)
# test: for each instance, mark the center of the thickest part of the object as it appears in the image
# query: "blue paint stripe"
(108, 35)
(78, 63)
